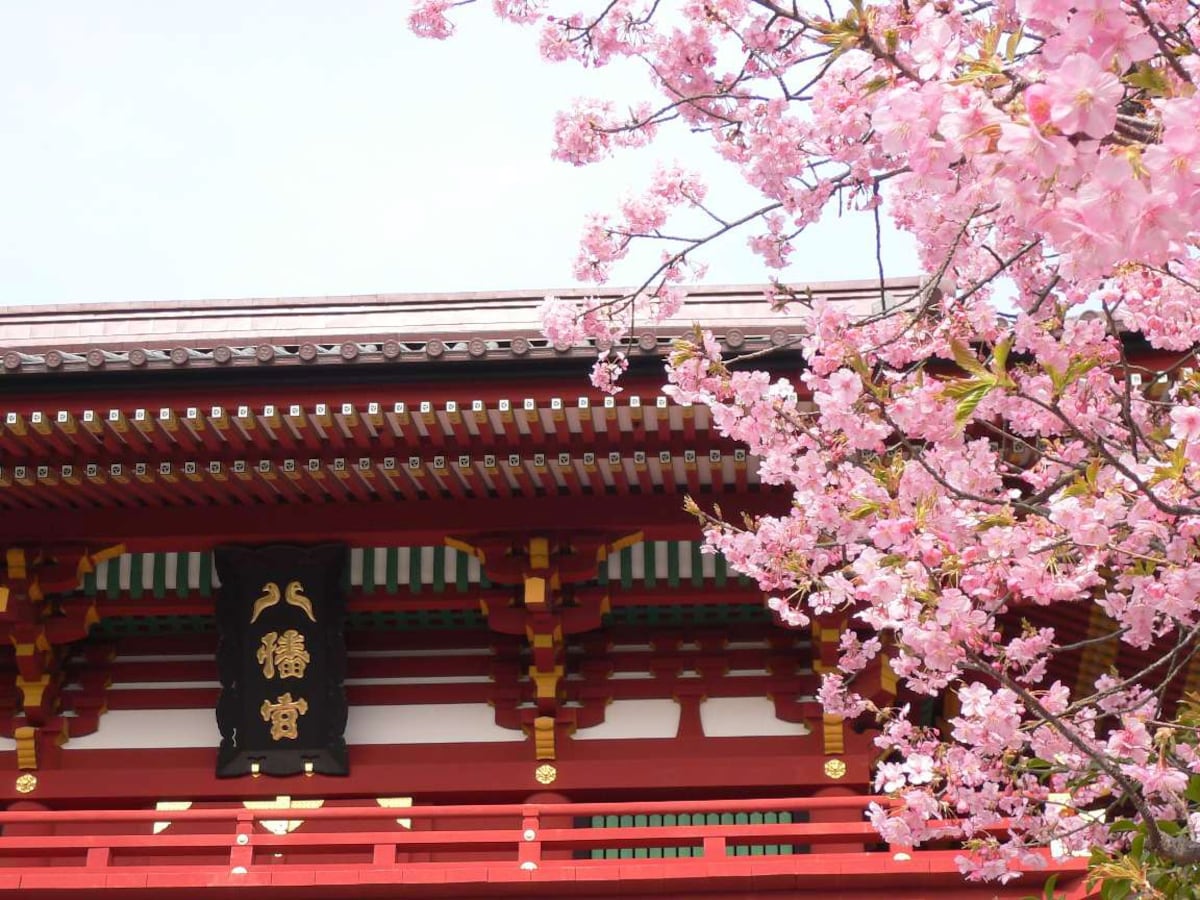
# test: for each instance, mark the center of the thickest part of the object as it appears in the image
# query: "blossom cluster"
(984, 461)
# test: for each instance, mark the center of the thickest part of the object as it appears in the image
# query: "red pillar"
(31, 829)
(559, 821)
(849, 814)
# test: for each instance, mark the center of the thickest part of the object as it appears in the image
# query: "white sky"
(176, 150)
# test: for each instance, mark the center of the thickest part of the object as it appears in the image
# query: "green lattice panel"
(655, 821)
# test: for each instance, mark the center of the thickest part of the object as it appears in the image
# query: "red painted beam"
(659, 517)
(603, 768)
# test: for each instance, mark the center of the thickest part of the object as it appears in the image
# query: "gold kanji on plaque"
(284, 716)
(284, 653)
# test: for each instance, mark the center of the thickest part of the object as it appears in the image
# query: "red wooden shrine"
(550, 687)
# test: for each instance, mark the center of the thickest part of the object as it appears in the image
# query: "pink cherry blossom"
(989, 470)
(1083, 97)
(1185, 423)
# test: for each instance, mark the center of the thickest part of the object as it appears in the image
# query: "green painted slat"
(112, 579)
(673, 563)
(368, 578)
(439, 569)
(721, 572)
(206, 574)
(393, 569)
(602, 573)
(627, 568)
(697, 565)
(135, 575)
(160, 575)
(414, 569)
(462, 572)
(640, 821)
(89, 584)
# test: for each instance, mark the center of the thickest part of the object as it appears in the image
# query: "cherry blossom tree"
(990, 449)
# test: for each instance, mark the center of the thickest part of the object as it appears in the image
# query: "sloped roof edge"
(361, 328)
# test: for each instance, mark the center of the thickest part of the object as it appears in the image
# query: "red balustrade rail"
(536, 849)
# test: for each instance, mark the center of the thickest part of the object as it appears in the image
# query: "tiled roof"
(360, 329)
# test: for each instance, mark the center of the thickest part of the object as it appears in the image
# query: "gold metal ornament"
(545, 774)
(835, 768)
(27, 783)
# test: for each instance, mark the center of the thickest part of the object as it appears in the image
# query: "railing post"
(98, 857)
(714, 847)
(37, 829)
(384, 855)
(529, 852)
(241, 854)
(850, 813)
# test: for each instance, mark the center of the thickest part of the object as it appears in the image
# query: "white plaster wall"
(634, 719)
(745, 717)
(425, 724)
(433, 723)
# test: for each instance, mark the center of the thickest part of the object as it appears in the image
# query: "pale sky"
(177, 150)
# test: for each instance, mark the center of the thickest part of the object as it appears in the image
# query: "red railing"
(477, 850)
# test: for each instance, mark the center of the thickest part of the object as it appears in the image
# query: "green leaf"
(1123, 825)
(1000, 354)
(863, 511)
(1014, 41)
(966, 359)
(1148, 79)
(1193, 789)
(967, 405)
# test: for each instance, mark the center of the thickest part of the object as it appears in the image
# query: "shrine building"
(374, 596)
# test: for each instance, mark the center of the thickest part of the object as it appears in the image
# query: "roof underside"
(177, 426)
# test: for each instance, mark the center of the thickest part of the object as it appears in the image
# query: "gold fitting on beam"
(546, 683)
(835, 768)
(535, 591)
(26, 737)
(539, 553)
(833, 735)
(543, 737)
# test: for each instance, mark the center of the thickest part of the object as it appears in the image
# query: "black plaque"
(282, 660)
